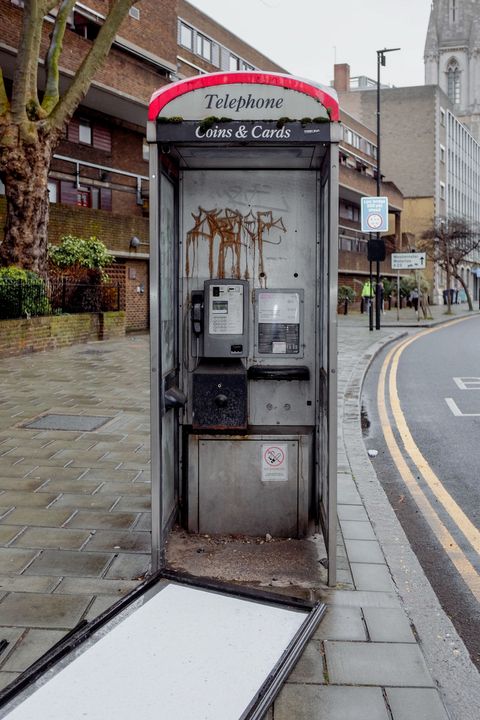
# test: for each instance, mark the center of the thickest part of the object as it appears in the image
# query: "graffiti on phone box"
(228, 231)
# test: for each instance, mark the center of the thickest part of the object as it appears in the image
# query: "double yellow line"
(388, 377)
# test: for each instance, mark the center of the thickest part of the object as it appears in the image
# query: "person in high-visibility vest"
(367, 295)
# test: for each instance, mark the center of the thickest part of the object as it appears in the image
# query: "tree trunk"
(467, 292)
(26, 192)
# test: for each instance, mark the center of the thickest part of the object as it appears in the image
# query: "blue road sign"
(374, 214)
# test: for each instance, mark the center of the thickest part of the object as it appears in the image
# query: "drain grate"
(85, 423)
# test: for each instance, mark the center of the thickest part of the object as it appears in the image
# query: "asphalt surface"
(449, 443)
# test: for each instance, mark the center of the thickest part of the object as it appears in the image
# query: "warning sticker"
(274, 463)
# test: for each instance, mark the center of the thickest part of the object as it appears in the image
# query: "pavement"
(75, 521)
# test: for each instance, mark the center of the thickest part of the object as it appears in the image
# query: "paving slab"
(129, 567)
(28, 583)
(421, 704)
(50, 517)
(364, 551)
(97, 519)
(52, 538)
(357, 530)
(341, 624)
(314, 702)
(34, 610)
(393, 664)
(63, 562)
(352, 512)
(26, 484)
(14, 499)
(95, 586)
(310, 667)
(372, 577)
(388, 625)
(14, 560)
(141, 489)
(33, 645)
(44, 472)
(133, 503)
(6, 678)
(123, 541)
(8, 533)
(74, 500)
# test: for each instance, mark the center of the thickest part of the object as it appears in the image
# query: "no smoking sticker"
(274, 463)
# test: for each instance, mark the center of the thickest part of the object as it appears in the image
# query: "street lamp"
(381, 61)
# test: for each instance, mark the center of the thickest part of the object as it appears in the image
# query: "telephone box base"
(249, 484)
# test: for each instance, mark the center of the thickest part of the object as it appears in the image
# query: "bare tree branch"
(52, 93)
(449, 241)
(24, 95)
(95, 58)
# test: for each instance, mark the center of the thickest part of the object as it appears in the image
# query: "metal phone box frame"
(244, 199)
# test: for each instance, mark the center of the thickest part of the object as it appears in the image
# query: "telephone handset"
(197, 313)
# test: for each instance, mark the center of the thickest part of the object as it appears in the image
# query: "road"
(421, 403)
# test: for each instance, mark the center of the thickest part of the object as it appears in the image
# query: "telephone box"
(244, 212)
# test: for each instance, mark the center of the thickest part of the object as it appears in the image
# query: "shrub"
(81, 257)
(22, 293)
(345, 293)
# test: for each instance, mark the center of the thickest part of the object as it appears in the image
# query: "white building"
(452, 56)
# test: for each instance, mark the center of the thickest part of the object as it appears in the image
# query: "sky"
(307, 37)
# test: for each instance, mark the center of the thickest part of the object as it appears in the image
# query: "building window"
(234, 62)
(442, 117)
(442, 191)
(52, 191)
(84, 197)
(442, 154)
(453, 11)
(453, 82)
(84, 27)
(186, 36)
(85, 132)
(204, 47)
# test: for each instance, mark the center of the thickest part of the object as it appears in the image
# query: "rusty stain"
(232, 231)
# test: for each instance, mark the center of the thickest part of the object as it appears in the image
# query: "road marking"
(456, 410)
(444, 537)
(467, 383)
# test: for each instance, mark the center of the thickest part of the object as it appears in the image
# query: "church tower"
(452, 56)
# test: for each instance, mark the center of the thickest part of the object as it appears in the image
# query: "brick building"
(434, 159)
(99, 174)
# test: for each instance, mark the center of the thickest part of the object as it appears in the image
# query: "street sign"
(408, 261)
(374, 214)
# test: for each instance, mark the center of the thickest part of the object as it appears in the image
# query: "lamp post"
(381, 61)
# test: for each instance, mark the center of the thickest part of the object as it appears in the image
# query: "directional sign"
(374, 214)
(408, 261)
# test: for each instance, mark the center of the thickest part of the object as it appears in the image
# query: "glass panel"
(167, 338)
(186, 36)
(52, 191)
(207, 49)
(85, 133)
(167, 276)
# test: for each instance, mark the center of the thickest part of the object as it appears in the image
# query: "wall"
(408, 123)
(20, 337)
